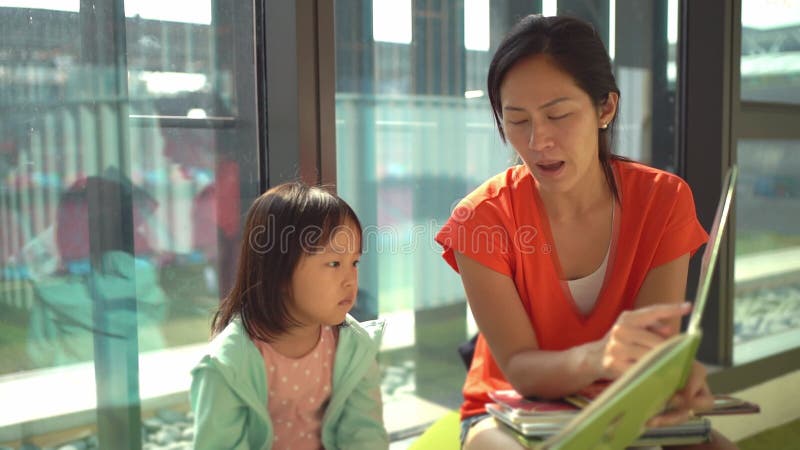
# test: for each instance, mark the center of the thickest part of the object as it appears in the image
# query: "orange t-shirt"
(500, 225)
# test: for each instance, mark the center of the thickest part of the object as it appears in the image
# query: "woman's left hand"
(694, 397)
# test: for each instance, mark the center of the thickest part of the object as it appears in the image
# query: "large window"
(770, 51)
(767, 265)
(414, 134)
(767, 247)
(127, 154)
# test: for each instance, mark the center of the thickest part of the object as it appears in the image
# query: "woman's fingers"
(655, 315)
(663, 329)
(635, 337)
(702, 400)
(694, 397)
(696, 394)
(671, 417)
(613, 368)
(635, 333)
(682, 406)
(696, 380)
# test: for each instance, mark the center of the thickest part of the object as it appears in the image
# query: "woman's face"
(552, 123)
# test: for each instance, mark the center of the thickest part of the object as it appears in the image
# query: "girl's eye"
(355, 263)
(334, 264)
(558, 117)
(517, 122)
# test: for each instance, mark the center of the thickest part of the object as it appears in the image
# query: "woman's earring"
(604, 126)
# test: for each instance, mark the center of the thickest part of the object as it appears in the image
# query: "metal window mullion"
(292, 90)
(104, 58)
(326, 90)
(705, 149)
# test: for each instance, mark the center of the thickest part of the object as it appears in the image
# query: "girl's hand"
(694, 397)
(634, 334)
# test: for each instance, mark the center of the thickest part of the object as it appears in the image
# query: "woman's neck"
(587, 195)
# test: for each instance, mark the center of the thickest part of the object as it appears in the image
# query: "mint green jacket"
(229, 393)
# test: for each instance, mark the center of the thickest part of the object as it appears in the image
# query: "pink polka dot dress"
(299, 389)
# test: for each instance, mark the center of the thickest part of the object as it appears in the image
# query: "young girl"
(288, 367)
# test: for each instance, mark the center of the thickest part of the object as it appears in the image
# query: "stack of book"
(533, 420)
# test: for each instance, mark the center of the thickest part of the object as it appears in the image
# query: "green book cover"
(616, 418)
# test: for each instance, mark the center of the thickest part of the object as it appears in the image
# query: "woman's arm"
(624, 345)
(665, 284)
(498, 311)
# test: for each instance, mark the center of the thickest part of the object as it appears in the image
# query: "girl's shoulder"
(367, 331)
(231, 347)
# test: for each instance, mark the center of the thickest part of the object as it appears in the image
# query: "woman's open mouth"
(550, 167)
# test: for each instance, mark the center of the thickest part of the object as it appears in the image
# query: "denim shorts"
(468, 423)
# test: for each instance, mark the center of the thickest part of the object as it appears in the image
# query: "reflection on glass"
(767, 265)
(770, 65)
(62, 324)
(415, 134)
(120, 193)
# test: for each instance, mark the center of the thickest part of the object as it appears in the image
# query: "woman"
(574, 263)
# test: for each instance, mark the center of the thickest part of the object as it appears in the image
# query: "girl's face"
(552, 123)
(324, 285)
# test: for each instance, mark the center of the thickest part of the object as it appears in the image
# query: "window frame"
(103, 24)
(712, 120)
(300, 89)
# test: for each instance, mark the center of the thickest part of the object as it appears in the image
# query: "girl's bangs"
(333, 215)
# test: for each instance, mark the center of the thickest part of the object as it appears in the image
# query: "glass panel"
(643, 47)
(415, 134)
(770, 66)
(767, 264)
(114, 244)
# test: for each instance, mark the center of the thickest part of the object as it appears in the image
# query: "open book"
(723, 404)
(616, 418)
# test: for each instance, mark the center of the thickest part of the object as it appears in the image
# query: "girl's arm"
(219, 417)
(500, 316)
(361, 425)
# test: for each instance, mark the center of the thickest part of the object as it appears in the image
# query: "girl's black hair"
(283, 224)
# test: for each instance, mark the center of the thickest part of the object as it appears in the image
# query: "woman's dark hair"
(283, 224)
(577, 50)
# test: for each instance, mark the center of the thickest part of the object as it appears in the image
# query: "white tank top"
(585, 290)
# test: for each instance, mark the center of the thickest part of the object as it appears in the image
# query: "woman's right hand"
(634, 334)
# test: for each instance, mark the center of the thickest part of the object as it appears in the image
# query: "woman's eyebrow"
(546, 105)
(553, 102)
